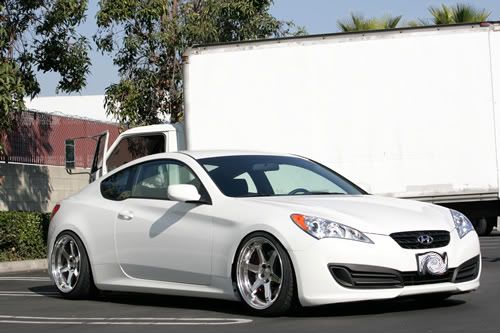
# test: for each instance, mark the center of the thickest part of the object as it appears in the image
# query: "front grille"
(376, 277)
(409, 239)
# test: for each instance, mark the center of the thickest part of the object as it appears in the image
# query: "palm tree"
(360, 23)
(460, 13)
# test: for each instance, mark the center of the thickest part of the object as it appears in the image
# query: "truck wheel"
(484, 225)
(481, 225)
(492, 221)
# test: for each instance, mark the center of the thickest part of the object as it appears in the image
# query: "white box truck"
(411, 113)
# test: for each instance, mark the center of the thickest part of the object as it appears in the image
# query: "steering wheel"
(298, 190)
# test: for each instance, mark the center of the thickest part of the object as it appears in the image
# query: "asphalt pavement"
(28, 302)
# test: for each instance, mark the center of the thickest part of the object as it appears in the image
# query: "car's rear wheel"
(71, 268)
(264, 275)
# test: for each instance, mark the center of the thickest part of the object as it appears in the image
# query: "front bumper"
(316, 284)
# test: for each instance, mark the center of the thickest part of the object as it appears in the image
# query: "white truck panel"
(403, 113)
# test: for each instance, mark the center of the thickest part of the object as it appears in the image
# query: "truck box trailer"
(410, 113)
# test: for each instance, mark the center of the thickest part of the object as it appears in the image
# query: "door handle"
(126, 216)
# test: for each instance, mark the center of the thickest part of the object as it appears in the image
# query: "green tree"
(39, 35)
(147, 39)
(459, 13)
(360, 23)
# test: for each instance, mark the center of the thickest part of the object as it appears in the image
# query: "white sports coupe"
(270, 230)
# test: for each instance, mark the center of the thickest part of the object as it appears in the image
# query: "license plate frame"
(432, 263)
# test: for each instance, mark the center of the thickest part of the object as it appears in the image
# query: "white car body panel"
(188, 249)
(180, 255)
(378, 214)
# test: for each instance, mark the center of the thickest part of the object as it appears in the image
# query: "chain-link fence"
(39, 138)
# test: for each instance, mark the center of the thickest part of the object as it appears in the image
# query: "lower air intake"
(376, 277)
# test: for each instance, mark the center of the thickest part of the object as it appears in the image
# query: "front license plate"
(432, 263)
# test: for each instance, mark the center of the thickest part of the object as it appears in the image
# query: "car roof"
(198, 154)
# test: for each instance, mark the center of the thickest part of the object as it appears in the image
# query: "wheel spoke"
(65, 254)
(64, 270)
(273, 258)
(275, 278)
(252, 268)
(257, 284)
(262, 259)
(68, 280)
(72, 248)
(267, 291)
(76, 272)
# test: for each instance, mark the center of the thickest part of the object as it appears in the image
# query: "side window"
(151, 181)
(153, 178)
(131, 148)
(118, 186)
(181, 174)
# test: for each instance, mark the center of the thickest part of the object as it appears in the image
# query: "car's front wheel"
(71, 268)
(264, 275)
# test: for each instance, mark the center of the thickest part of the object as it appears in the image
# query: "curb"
(23, 265)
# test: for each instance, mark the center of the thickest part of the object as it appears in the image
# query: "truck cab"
(130, 145)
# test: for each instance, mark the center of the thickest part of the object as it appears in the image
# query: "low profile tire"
(264, 275)
(71, 268)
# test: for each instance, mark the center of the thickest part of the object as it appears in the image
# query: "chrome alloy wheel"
(66, 263)
(259, 273)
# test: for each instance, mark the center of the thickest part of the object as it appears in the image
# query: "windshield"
(268, 175)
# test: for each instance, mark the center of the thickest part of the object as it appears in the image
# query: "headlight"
(321, 228)
(462, 223)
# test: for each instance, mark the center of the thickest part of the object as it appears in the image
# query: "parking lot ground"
(29, 302)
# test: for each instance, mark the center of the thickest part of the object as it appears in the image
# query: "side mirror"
(70, 154)
(183, 193)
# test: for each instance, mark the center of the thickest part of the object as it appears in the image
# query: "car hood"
(367, 213)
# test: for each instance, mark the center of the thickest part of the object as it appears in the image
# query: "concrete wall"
(36, 187)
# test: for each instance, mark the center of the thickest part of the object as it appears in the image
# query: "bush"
(23, 235)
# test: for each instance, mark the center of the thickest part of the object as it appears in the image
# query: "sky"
(317, 16)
